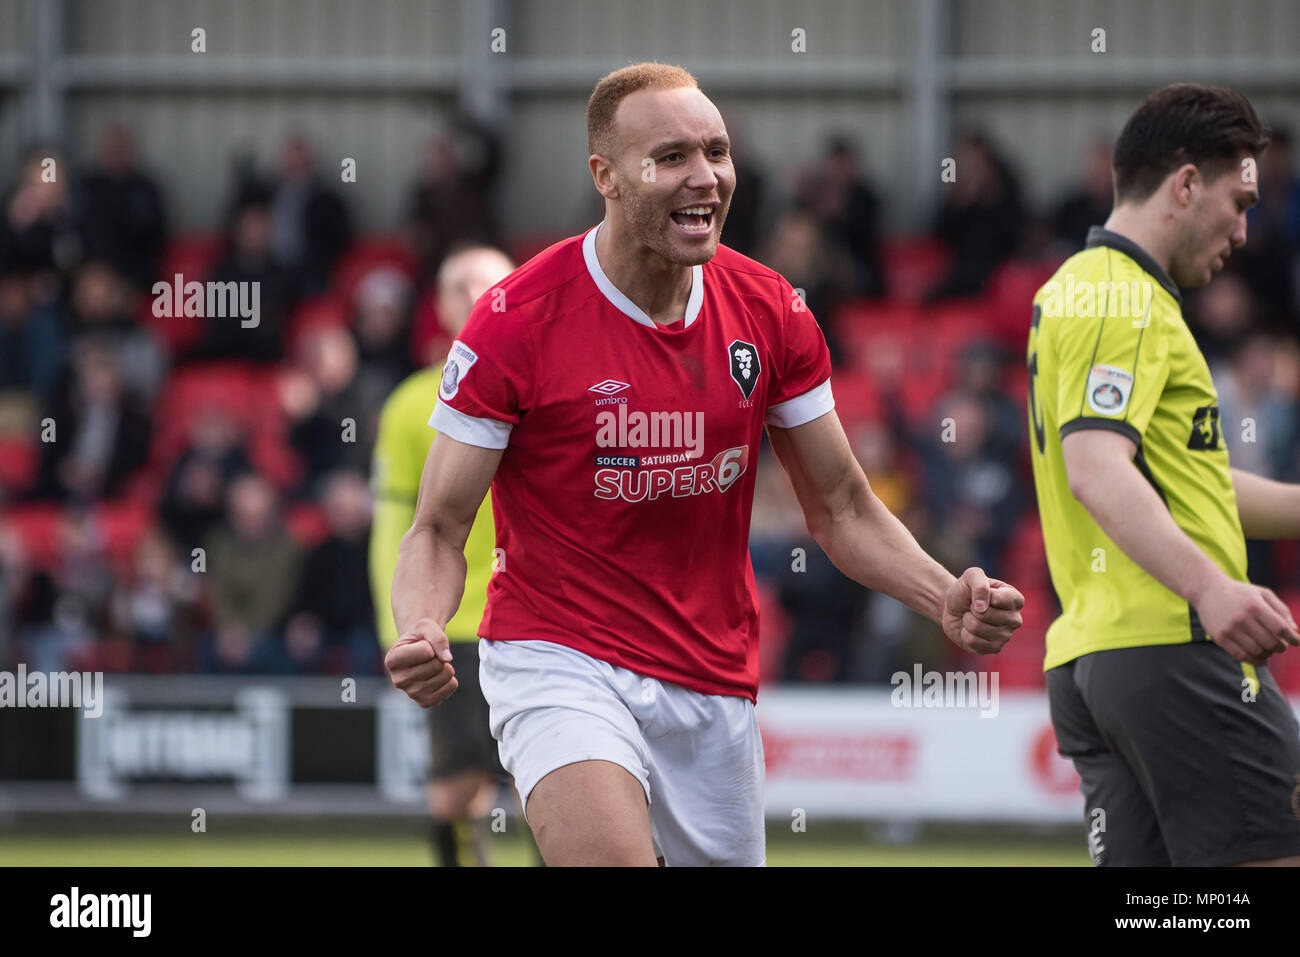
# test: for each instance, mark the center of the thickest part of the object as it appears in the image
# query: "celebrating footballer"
(613, 393)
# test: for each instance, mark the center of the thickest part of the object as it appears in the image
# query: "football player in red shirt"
(612, 392)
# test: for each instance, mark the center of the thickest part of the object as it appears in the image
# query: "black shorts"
(1178, 766)
(458, 728)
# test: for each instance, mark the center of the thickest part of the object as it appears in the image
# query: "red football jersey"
(623, 499)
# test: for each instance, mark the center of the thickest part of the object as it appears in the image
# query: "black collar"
(1099, 236)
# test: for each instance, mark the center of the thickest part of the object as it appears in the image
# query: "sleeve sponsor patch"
(460, 360)
(1109, 388)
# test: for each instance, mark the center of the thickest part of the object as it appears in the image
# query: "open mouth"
(693, 220)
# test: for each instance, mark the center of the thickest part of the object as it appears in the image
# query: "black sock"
(445, 850)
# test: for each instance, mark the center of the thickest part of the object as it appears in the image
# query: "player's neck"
(1143, 227)
(660, 288)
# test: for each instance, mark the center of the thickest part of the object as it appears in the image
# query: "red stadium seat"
(191, 257)
(123, 524)
(312, 313)
(244, 392)
(1286, 666)
(913, 266)
(19, 461)
(306, 523)
(776, 629)
(950, 325)
(366, 254)
(527, 247)
(428, 341)
(1025, 555)
(856, 398)
(1010, 295)
(874, 331)
(36, 525)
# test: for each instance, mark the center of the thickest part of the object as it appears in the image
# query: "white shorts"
(699, 757)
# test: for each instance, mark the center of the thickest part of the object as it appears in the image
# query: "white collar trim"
(625, 305)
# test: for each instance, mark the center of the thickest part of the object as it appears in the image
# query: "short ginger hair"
(602, 138)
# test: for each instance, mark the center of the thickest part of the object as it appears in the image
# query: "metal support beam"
(929, 100)
(1084, 74)
(482, 73)
(445, 74)
(45, 107)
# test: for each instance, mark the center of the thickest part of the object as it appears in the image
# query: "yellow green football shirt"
(1109, 350)
(400, 450)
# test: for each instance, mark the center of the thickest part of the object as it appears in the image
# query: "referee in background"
(466, 768)
(1157, 668)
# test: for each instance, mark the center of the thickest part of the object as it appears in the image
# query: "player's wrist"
(1206, 577)
(942, 584)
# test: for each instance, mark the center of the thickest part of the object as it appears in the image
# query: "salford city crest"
(744, 366)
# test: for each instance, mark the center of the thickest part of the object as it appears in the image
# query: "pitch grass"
(213, 849)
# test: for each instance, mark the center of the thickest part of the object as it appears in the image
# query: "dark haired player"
(1157, 668)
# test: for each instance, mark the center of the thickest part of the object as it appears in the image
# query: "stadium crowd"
(191, 494)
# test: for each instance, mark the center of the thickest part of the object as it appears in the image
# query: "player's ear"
(602, 173)
(1185, 180)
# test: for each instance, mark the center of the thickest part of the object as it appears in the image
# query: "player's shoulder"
(744, 274)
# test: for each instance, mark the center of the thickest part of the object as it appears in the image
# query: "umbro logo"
(609, 387)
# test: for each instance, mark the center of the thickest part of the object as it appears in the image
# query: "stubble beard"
(646, 221)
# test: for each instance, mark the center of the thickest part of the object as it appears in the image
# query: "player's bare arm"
(870, 545)
(430, 579)
(1247, 621)
(1267, 509)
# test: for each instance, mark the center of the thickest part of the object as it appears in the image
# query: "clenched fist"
(420, 664)
(980, 613)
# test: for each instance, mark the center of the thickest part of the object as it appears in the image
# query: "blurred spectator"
(982, 374)
(124, 220)
(893, 637)
(31, 339)
(151, 607)
(1089, 204)
(740, 231)
(1270, 260)
(451, 201)
(14, 576)
(797, 249)
(381, 324)
(101, 311)
(195, 492)
(1277, 215)
(100, 431)
(877, 453)
(1258, 422)
(68, 608)
(1220, 314)
(253, 569)
(1257, 419)
(333, 411)
(310, 226)
(331, 626)
(249, 259)
(980, 219)
(39, 232)
(846, 208)
(971, 485)
(823, 605)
